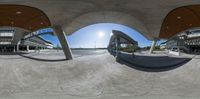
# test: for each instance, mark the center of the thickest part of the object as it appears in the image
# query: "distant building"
(37, 42)
(12, 41)
(122, 42)
(188, 41)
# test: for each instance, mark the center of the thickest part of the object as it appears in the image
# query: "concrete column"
(14, 49)
(18, 46)
(117, 48)
(36, 48)
(152, 46)
(63, 41)
(117, 45)
(27, 48)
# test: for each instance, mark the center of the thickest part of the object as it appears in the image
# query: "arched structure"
(107, 17)
(144, 16)
(70, 15)
(180, 19)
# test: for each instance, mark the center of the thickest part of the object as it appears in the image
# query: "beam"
(117, 46)
(18, 43)
(27, 48)
(152, 46)
(63, 41)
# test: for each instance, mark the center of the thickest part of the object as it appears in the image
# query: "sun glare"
(101, 34)
(111, 34)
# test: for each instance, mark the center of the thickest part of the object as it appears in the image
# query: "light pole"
(95, 45)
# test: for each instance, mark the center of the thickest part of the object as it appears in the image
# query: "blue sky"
(98, 35)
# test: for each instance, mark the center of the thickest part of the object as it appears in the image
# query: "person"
(133, 55)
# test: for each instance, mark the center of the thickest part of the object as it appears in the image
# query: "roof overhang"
(179, 20)
(26, 17)
(143, 16)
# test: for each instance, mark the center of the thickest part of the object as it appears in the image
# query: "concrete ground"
(94, 77)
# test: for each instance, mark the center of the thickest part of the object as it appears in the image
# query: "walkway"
(94, 77)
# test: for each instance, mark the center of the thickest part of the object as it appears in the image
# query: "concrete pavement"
(94, 77)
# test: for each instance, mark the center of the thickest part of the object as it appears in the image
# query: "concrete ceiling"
(145, 16)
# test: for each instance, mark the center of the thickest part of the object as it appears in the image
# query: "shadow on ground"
(151, 63)
(12, 53)
(39, 59)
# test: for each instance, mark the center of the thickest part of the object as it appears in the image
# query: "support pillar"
(117, 46)
(14, 49)
(27, 48)
(18, 46)
(152, 46)
(36, 48)
(63, 41)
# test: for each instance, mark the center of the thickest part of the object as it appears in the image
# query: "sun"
(101, 34)
(111, 34)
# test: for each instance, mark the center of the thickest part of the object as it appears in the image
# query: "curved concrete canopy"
(67, 13)
(106, 17)
(25, 17)
(180, 19)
